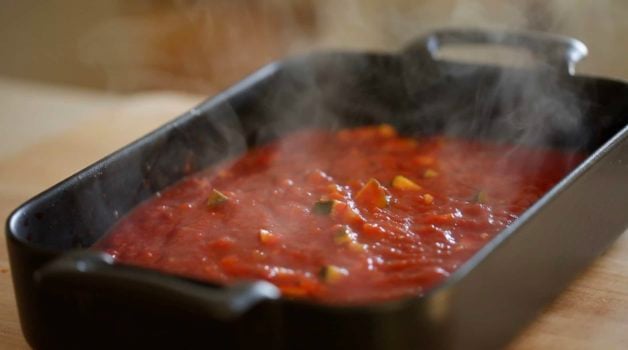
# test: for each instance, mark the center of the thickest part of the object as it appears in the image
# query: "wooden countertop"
(51, 133)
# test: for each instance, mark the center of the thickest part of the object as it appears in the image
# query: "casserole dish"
(70, 297)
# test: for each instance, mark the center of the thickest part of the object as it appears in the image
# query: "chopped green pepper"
(323, 207)
(430, 174)
(216, 198)
(480, 197)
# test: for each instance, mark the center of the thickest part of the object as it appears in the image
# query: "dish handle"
(560, 52)
(96, 271)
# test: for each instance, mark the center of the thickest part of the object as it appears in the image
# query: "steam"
(515, 106)
(534, 107)
(531, 108)
(388, 25)
(208, 46)
(215, 52)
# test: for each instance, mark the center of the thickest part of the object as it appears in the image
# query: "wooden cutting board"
(591, 314)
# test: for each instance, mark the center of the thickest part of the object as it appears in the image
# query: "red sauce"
(304, 213)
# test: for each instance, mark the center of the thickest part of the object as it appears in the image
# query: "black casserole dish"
(69, 297)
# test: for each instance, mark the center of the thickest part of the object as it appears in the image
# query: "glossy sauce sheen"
(305, 213)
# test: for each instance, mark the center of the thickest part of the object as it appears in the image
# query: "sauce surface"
(352, 216)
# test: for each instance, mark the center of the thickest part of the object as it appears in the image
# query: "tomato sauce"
(352, 216)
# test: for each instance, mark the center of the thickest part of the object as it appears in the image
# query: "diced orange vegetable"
(345, 213)
(439, 219)
(387, 130)
(334, 191)
(357, 247)
(352, 217)
(355, 184)
(373, 194)
(403, 183)
(224, 173)
(428, 198)
(338, 208)
(333, 188)
(423, 160)
(267, 237)
(286, 182)
(223, 243)
(332, 273)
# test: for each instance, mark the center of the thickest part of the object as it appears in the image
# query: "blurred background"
(203, 46)
(62, 61)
